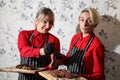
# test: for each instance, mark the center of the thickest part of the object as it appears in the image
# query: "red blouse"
(38, 39)
(94, 57)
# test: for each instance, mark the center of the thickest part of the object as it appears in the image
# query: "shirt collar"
(36, 33)
(87, 37)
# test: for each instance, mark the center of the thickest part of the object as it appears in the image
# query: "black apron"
(75, 59)
(37, 62)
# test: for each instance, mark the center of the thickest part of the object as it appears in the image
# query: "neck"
(84, 35)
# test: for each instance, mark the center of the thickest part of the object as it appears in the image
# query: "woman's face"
(44, 25)
(86, 25)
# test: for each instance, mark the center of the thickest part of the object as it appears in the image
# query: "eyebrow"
(83, 17)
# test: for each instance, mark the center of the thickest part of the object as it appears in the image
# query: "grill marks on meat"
(26, 66)
(61, 73)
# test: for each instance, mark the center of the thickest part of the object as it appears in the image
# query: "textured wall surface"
(16, 15)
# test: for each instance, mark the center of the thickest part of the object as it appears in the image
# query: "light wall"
(16, 15)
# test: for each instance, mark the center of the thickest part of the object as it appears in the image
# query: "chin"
(44, 31)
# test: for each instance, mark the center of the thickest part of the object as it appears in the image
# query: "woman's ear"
(36, 21)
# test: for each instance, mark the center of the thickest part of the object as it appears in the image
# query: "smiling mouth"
(85, 28)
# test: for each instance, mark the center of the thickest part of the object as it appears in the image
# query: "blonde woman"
(86, 53)
(36, 46)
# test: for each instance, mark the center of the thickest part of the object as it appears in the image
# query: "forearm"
(29, 52)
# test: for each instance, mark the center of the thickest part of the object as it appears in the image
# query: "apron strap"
(88, 44)
(31, 36)
(76, 41)
(85, 50)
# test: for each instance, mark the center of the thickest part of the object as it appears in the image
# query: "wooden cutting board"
(16, 70)
(48, 76)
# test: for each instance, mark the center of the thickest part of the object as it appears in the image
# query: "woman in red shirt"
(36, 46)
(86, 53)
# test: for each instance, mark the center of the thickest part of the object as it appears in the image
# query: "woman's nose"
(86, 23)
(47, 25)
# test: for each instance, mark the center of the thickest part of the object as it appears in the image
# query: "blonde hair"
(44, 11)
(94, 15)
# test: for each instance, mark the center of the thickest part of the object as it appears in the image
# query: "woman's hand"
(49, 48)
(54, 62)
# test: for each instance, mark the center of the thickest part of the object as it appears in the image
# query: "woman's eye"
(51, 23)
(45, 21)
(89, 21)
(82, 20)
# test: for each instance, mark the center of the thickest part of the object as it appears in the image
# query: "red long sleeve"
(38, 39)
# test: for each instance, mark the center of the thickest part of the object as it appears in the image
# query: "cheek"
(81, 26)
(40, 24)
(92, 27)
(39, 27)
